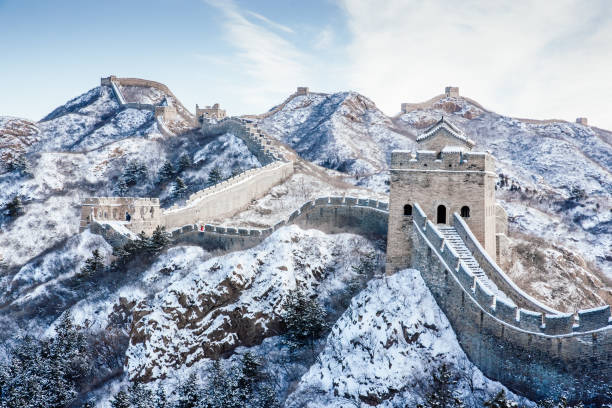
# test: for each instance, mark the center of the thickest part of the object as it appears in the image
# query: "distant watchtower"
(444, 177)
(209, 112)
(451, 91)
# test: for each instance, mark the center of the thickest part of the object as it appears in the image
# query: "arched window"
(441, 218)
(407, 209)
(465, 211)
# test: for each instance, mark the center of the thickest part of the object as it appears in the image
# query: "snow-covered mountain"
(564, 170)
(169, 314)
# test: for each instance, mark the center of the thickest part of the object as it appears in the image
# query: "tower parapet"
(444, 176)
(209, 112)
(451, 91)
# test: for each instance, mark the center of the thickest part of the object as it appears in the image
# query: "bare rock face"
(557, 276)
(16, 135)
(234, 300)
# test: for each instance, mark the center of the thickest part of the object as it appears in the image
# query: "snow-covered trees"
(500, 401)
(135, 173)
(180, 188)
(303, 318)
(241, 385)
(215, 175)
(93, 264)
(184, 163)
(143, 245)
(166, 172)
(443, 390)
(15, 207)
(45, 373)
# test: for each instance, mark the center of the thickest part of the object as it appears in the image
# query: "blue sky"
(522, 58)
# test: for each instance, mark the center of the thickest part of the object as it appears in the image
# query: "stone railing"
(494, 272)
(540, 355)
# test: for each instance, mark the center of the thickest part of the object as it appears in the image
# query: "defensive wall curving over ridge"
(363, 216)
(539, 355)
(255, 139)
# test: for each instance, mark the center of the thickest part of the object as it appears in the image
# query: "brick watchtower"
(444, 177)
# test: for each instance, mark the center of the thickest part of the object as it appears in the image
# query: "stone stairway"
(454, 240)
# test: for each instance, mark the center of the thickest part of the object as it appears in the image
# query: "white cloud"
(324, 39)
(524, 58)
(270, 22)
(271, 64)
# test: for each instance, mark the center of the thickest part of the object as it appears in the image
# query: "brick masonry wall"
(535, 364)
(331, 215)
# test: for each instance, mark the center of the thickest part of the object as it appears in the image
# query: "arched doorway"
(465, 211)
(441, 216)
(407, 209)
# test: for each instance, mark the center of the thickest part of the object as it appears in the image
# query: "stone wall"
(162, 113)
(229, 196)
(451, 179)
(256, 140)
(494, 272)
(145, 213)
(539, 355)
(367, 217)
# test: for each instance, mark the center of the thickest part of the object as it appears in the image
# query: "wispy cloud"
(273, 64)
(270, 22)
(520, 57)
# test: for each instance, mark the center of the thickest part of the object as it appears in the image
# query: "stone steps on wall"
(454, 240)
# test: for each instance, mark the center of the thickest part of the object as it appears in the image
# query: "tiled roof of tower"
(449, 127)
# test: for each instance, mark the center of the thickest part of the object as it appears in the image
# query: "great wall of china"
(513, 338)
(540, 354)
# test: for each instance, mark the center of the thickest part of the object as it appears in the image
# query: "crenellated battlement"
(452, 159)
(511, 337)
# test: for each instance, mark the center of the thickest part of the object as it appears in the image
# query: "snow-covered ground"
(342, 131)
(235, 299)
(384, 349)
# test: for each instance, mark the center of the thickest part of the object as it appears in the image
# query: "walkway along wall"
(363, 216)
(256, 140)
(535, 354)
(221, 200)
(228, 197)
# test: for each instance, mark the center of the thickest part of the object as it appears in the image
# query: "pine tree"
(121, 188)
(236, 171)
(93, 265)
(442, 395)
(15, 207)
(135, 172)
(217, 392)
(304, 319)
(500, 401)
(120, 400)
(166, 172)
(188, 393)
(159, 239)
(180, 189)
(215, 175)
(267, 397)
(140, 396)
(161, 399)
(184, 163)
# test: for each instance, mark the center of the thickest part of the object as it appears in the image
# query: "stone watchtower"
(444, 177)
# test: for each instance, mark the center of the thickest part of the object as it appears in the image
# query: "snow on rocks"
(384, 348)
(235, 299)
(342, 131)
